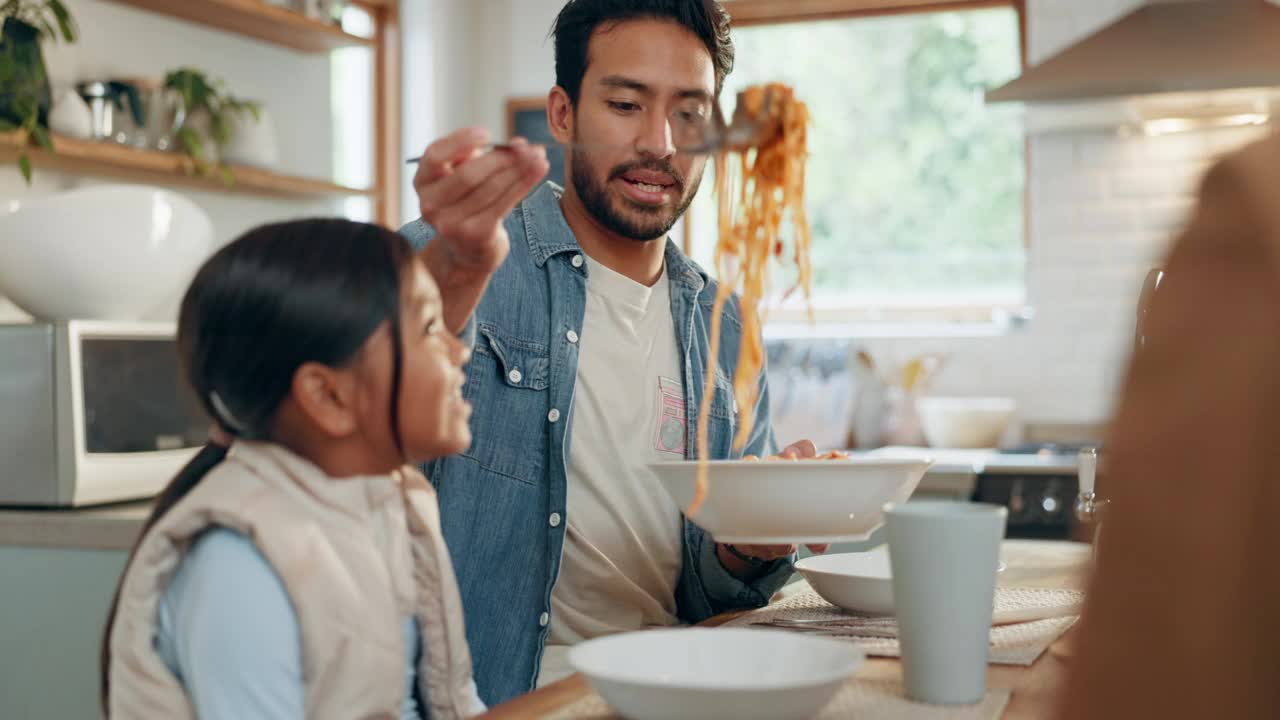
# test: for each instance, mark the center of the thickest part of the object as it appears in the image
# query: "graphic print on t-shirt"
(669, 435)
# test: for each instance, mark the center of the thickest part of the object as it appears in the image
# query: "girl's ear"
(327, 397)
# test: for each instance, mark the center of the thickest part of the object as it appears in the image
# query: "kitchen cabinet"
(58, 572)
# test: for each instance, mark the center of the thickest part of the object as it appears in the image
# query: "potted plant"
(206, 114)
(24, 83)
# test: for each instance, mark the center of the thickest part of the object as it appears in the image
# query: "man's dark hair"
(574, 26)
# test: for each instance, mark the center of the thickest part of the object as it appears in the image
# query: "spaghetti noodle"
(756, 189)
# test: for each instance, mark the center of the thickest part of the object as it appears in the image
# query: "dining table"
(1049, 564)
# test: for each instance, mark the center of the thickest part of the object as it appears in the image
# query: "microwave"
(92, 412)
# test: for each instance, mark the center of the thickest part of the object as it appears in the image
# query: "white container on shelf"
(252, 141)
(965, 422)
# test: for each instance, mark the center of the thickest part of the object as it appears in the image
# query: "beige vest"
(356, 555)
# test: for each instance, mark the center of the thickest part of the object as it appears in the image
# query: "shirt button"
(555, 519)
(554, 415)
(573, 336)
(544, 619)
(577, 261)
(515, 376)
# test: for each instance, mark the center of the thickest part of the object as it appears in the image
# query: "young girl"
(299, 571)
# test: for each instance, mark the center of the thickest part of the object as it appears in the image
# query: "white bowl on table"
(729, 674)
(109, 252)
(783, 502)
(860, 582)
(965, 422)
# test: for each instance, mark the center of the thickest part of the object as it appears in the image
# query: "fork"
(835, 630)
(743, 133)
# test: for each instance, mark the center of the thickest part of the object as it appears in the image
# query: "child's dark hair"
(579, 19)
(277, 297)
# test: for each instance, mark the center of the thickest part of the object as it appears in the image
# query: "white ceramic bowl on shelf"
(108, 252)
(721, 674)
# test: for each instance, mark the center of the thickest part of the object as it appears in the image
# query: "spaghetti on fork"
(758, 189)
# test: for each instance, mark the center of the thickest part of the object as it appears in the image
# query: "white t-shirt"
(622, 546)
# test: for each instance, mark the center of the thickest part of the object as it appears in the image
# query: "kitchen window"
(915, 187)
(352, 112)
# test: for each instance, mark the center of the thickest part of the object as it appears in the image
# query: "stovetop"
(1048, 448)
(1038, 461)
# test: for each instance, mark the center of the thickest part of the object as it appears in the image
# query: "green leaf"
(219, 130)
(190, 140)
(42, 138)
(24, 164)
(228, 177)
(65, 22)
(46, 29)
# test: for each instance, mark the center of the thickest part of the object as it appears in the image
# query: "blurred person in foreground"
(1183, 610)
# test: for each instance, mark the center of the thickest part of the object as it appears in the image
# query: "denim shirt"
(502, 502)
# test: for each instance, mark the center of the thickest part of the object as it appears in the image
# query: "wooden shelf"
(164, 168)
(257, 19)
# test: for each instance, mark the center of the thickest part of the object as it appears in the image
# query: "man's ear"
(560, 119)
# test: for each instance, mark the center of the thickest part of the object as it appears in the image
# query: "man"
(591, 342)
(1181, 619)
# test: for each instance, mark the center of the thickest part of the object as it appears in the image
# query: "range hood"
(1163, 46)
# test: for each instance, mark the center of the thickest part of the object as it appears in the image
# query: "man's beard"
(636, 222)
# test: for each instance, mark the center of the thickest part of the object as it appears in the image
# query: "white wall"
(1102, 210)
(118, 40)
(437, 78)
(463, 60)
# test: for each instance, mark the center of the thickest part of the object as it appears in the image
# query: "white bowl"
(964, 422)
(729, 674)
(860, 582)
(111, 252)
(794, 501)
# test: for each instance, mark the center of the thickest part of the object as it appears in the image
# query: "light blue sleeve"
(227, 630)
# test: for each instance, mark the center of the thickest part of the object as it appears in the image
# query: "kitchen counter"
(977, 462)
(110, 527)
(115, 527)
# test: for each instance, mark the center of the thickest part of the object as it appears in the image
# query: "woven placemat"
(1018, 644)
(857, 699)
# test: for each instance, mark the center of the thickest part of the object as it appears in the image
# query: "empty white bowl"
(964, 422)
(794, 501)
(110, 252)
(729, 674)
(860, 582)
